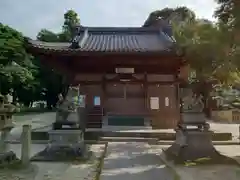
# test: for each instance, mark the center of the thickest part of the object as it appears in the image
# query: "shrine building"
(130, 76)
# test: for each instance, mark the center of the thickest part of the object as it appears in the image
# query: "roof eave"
(76, 52)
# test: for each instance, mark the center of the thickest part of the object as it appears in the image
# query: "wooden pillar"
(145, 88)
(103, 101)
(178, 99)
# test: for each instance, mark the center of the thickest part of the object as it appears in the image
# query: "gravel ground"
(53, 171)
(36, 121)
(133, 161)
(213, 172)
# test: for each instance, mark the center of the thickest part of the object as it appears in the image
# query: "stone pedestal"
(82, 118)
(64, 145)
(66, 140)
(193, 119)
(192, 145)
(6, 155)
(66, 125)
(26, 145)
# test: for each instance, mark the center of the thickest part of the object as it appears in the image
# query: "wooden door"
(125, 99)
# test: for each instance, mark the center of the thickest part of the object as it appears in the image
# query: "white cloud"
(29, 16)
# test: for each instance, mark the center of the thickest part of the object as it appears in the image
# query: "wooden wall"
(162, 118)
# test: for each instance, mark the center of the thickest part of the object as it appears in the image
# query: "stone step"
(96, 133)
(128, 139)
(149, 140)
(167, 136)
(216, 143)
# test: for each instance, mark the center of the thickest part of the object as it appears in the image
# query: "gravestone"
(66, 139)
(193, 137)
(6, 111)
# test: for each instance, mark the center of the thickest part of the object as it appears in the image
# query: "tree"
(12, 47)
(51, 80)
(229, 12)
(206, 44)
(179, 14)
(16, 67)
(71, 20)
(47, 36)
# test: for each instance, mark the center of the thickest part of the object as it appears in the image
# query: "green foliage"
(11, 47)
(206, 49)
(208, 46)
(71, 20)
(30, 80)
(47, 36)
(179, 14)
(229, 12)
(16, 67)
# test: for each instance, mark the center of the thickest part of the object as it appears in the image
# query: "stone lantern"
(6, 125)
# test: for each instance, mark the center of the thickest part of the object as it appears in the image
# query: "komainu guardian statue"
(192, 112)
(67, 105)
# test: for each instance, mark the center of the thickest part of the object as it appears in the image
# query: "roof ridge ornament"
(84, 38)
(79, 40)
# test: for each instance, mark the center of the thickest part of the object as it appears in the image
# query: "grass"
(218, 159)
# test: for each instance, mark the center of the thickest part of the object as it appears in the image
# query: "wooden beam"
(129, 82)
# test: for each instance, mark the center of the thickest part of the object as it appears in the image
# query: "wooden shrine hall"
(130, 76)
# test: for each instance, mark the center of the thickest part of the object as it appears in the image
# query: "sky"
(30, 16)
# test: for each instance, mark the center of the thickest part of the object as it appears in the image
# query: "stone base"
(65, 137)
(8, 158)
(194, 145)
(65, 145)
(62, 153)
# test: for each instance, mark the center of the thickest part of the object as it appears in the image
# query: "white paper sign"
(97, 101)
(166, 101)
(154, 102)
(82, 101)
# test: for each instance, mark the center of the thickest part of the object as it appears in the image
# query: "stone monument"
(66, 139)
(193, 137)
(6, 125)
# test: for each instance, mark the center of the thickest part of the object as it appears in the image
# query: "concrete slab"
(133, 161)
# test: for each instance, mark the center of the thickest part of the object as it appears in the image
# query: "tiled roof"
(93, 39)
